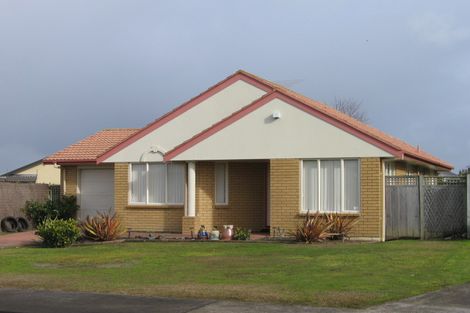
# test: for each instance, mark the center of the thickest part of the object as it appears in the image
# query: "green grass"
(351, 275)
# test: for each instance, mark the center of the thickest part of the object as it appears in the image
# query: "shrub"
(36, 211)
(57, 233)
(314, 228)
(241, 234)
(66, 207)
(341, 225)
(102, 227)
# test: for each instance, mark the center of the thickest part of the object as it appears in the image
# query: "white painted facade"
(296, 134)
(191, 122)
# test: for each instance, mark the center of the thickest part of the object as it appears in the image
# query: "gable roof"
(89, 149)
(99, 147)
(239, 75)
(372, 135)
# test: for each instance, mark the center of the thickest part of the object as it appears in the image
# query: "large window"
(221, 183)
(330, 185)
(157, 183)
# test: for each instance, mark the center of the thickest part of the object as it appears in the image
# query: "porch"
(226, 193)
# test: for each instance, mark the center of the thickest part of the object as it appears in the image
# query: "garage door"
(96, 191)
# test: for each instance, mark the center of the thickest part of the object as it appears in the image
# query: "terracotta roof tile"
(399, 144)
(90, 148)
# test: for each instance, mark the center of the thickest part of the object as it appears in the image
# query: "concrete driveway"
(26, 238)
(454, 299)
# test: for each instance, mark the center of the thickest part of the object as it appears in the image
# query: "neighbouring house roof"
(22, 168)
(19, 178)
(102, 145)
(90, 148)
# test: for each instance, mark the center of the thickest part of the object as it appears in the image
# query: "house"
(246, 152)
(35, 172)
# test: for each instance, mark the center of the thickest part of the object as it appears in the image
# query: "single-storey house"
(246, 152)
(35, 172)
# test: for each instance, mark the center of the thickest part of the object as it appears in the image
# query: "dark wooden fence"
(425, 206)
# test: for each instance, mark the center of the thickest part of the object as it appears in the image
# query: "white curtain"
(310, 189)
(157, 183)
(139, 183)
(351, 185)
(330, 185)
(176, 182)
(220, 183)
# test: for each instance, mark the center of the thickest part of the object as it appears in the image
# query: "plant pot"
(215, 235)
(228, 232)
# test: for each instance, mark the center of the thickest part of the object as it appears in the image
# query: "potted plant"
(202, 233)
(228, 232)
(215, 234)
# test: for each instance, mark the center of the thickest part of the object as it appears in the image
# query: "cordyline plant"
(102, 227)
(314, 228)
(341, 225)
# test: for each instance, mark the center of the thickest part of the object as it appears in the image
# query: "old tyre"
(9, 224)
(23, 224)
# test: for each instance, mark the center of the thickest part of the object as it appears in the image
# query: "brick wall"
(285, 194)
(70, 177)
(286, 197)
(247, 196)
(143, 218)
(370, 224)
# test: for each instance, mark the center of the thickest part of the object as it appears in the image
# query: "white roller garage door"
(96, 191)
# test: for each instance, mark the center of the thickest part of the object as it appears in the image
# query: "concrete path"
(454, 299)
(18, 239)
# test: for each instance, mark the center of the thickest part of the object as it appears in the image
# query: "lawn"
(349, 275)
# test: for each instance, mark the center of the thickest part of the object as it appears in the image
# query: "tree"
(352, 108)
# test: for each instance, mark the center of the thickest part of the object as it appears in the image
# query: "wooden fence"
(14, 195)
(426, 206)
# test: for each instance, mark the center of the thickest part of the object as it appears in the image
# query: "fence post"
(421, 206)
(468, 205)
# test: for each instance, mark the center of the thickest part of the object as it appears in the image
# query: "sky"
(71, 68)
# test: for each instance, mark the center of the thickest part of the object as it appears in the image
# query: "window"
(221, 183)
(157, 183)
(330, 185)
(389, 169)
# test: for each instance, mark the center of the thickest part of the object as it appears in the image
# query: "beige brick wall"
(286, 197)
(70, 178)
(285, 194)
(370, 224)
(142, 218)
(247, 196)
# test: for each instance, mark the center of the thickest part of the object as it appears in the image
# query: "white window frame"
(226, 184)
(147, 167)
(342, 209)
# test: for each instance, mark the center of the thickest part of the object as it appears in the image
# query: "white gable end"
(191, 122)
(296, 134)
